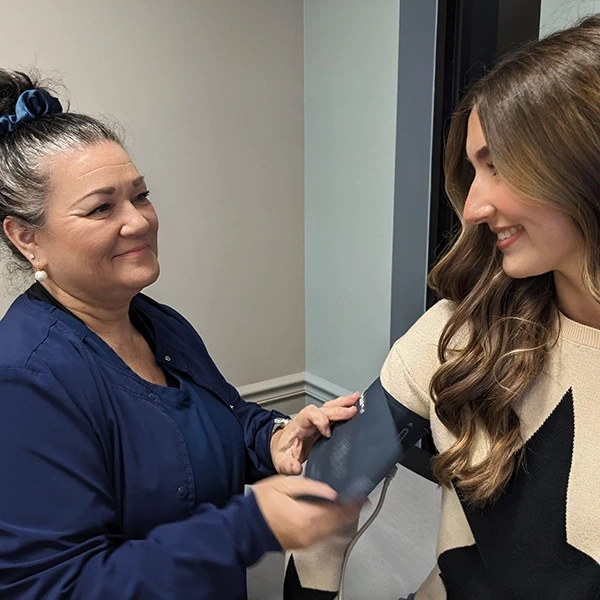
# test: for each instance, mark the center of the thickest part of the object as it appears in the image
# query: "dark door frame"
(470, 36)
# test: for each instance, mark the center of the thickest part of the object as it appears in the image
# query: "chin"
(516, 274)
(522, 271)
(142, 278)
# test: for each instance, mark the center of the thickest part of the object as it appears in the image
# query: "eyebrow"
(107, 191)
(480, 155)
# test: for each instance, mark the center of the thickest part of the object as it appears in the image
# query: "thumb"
(290, 466)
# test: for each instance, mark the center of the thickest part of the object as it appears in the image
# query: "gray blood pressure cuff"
(363, 450)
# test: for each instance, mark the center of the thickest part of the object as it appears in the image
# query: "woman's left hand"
(291, 445)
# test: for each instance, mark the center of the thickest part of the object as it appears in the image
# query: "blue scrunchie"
(31, 104)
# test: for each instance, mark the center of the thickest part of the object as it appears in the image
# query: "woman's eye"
(143, 196)
(101, 209)
(492, 169)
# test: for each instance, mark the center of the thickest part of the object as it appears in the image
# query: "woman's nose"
(134, 223)
(478, 209)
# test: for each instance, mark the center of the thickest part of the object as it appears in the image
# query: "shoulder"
(44, 368)
(426, 331)
(413, 359)
(31, 333)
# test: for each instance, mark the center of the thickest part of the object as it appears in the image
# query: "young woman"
(505, 368)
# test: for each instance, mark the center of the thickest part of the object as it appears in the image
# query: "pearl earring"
(40, 274)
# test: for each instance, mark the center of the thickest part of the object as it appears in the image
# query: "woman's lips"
(133, 252)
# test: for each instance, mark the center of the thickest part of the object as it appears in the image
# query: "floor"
(391, 559)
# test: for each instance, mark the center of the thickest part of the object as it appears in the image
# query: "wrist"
(279, 424)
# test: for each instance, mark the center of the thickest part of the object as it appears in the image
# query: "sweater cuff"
(319, 568)
(293, 590)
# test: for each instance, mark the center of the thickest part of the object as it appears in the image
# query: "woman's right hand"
(299, 523)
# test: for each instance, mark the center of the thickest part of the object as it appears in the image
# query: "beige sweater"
(541, 540)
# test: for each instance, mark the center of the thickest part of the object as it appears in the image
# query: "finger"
(344, 400)
(308, 487)
(311, 416)
(339, 413)
(337, 515)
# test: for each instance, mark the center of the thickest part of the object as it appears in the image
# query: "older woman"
(124, 450)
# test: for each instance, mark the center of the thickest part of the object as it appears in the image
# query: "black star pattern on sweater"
(521, 550)
(293, 590)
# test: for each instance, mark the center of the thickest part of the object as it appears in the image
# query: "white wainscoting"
(291, 393)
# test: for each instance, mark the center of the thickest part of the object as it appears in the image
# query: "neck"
(110, 322)
(576, 301)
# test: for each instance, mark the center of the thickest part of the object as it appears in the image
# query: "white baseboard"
(291, 393)
(319, 390)
(286, 394)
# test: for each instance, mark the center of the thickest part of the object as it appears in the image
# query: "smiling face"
(99, 243)
(534, 238)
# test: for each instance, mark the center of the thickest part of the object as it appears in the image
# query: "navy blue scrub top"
(212, 433)
(213, 437)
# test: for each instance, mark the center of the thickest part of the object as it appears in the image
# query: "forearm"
(204, 556)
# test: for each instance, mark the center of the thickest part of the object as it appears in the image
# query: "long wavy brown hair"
(540, 113)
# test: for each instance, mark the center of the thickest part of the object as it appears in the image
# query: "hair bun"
(30, 105)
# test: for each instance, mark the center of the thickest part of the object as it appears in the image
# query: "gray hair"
(24, 173)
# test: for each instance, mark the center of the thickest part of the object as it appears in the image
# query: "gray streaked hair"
(24, 157)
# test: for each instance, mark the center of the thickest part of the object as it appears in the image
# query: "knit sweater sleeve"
(407, 371)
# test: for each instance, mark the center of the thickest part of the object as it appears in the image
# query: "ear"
(21, 236)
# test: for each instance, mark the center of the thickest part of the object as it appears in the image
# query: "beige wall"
(211, 92)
